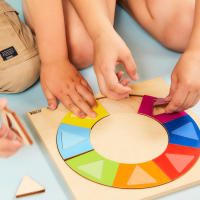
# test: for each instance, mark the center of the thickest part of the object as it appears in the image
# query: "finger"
(79, 101)
(85, 83)
(3, 103)
(188, 101)
(125, 81)
(82, 90)
(51, 99)
(3, 130)
(7, 154)
(172, 88)
(195, 101)
(71, 106)
(178, 98)
(10, 135)
(113, 83)
(10, 145)
(130, 67)
(105, 91)
(119, 75)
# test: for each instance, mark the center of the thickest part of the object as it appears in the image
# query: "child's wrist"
(54, 62)
(102, 31)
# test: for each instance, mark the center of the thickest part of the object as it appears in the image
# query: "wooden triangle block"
(29, 187)
(11, 120)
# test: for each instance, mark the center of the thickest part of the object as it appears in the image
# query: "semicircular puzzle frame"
(181, 154)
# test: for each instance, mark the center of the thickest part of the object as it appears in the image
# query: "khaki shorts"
(19, 59)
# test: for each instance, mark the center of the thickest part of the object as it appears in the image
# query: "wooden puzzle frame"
(46, 124)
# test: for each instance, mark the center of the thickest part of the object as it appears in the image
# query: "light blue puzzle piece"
(186, 131)
(69, 140)
(73, 140)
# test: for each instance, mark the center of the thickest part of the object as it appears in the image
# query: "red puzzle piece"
(170, 168)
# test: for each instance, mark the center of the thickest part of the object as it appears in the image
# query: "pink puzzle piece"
(146, 108)
(160, 101)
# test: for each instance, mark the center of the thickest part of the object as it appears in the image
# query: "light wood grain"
(12, 122)
(29, 187)
(129, 138)
(46, 124)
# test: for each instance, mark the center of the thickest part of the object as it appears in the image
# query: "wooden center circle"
(129, 138)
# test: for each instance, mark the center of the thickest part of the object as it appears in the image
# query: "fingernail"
(82, 114)
(95, 106)
(51, 106)
(126, 96)
(167, 98)
(3, 102)
(136, 77)
(93, 114)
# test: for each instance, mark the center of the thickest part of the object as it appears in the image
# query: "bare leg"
(80, 45)
(168, 21)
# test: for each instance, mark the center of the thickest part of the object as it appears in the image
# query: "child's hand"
(62, 80)
(111, 50)
(185, 83)
(8, 147)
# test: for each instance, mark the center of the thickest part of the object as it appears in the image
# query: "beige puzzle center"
(129, 138)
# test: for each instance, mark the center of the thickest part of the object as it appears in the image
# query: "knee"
(176, 35)
(17, 78)
(80, 53)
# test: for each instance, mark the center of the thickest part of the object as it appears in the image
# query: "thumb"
(52, 101)
(3, 103)
(172, 88)
(130, 67)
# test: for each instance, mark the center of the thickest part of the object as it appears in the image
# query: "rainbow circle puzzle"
(182, 152)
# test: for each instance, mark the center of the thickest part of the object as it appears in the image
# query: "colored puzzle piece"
(125, 171)
(69, 140)
(176, 137)
(139, 176)
(79, 144)
(160, 101)
(109, 167)
(180, 162)
(186, 131)
(86, 123)
(146, 108)
(176, 168)
(94, 169)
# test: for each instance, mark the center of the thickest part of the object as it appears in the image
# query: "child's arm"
(185, 79)
(109, 48)
(59, 78)
(8, 147)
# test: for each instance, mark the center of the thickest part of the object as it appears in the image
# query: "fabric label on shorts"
(8, 53)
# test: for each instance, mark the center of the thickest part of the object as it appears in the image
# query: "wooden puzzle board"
(46, 124)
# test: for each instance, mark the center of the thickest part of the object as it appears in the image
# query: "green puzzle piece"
(94, 167)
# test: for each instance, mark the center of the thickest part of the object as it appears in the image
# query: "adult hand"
(8, 146)
(185, 83)
(63, 81)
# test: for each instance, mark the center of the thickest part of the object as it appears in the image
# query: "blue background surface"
(152, 59)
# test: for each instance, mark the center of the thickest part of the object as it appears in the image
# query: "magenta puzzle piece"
(146, 108)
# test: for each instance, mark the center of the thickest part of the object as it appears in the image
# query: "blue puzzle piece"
(75, 149)
(182, 137)
(187, 131)
(69, 140)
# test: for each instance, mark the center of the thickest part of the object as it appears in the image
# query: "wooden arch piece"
(11, 120)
